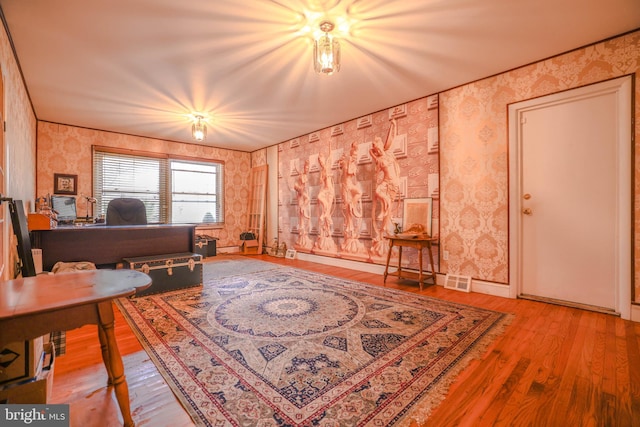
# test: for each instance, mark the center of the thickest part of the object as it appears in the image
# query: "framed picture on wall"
(65, 184)
(417, 214)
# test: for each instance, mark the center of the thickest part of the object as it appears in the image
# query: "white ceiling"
(141, 67)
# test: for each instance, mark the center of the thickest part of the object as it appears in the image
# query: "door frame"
(622, 86)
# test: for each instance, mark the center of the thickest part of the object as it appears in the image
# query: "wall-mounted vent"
(457, 282)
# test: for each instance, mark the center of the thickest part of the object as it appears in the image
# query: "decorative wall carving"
(354, 228)
(364, 122)
(397, 111)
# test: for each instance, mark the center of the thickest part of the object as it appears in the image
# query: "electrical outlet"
(445, 255)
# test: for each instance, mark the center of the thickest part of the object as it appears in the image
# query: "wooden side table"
(418, 243)
(34, 306)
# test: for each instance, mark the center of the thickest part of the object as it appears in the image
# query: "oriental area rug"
(277, 346)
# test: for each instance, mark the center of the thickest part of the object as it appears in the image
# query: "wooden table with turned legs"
(418, 243)
(34, 306)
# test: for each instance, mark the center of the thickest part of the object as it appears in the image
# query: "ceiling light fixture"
(199, 128)
(326, 51)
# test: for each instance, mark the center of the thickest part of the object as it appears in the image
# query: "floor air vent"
(457, 282)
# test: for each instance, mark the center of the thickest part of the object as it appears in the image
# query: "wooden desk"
(34, 306)
(418, 243)
(102, 244)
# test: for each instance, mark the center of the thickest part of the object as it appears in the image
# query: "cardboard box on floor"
(20, 361)
(38, 389)
(249, 246)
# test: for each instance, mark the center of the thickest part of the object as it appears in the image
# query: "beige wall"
(474, 141)
(20, 148)
(67, 149)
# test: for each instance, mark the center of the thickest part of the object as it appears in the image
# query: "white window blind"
(121, 175)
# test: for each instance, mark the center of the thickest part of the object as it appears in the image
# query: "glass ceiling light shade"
(199, 129)
(326, 51)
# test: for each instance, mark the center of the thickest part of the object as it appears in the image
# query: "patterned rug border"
(422, 406)
(249, 266)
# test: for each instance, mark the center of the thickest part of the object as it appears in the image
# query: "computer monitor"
(66, 208)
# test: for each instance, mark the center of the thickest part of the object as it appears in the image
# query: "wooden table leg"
(104, 348)
(399, 261)
(386, 269)
(113, 360)
(420, 268)
(433, 267)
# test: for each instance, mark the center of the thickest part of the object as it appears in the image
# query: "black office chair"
(126, 212)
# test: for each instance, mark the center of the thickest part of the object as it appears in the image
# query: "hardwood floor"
(554, 366)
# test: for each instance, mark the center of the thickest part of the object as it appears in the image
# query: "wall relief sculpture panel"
(342, 189)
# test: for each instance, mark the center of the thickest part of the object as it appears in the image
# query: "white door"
(570, 196)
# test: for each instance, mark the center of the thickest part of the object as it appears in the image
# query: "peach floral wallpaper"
(18, 179)
(415, 149)
(473, 137)
(259, 158)
(67, 149)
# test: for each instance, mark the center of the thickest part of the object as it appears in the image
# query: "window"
(173, 190)
(195, 189)
(122, 175)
